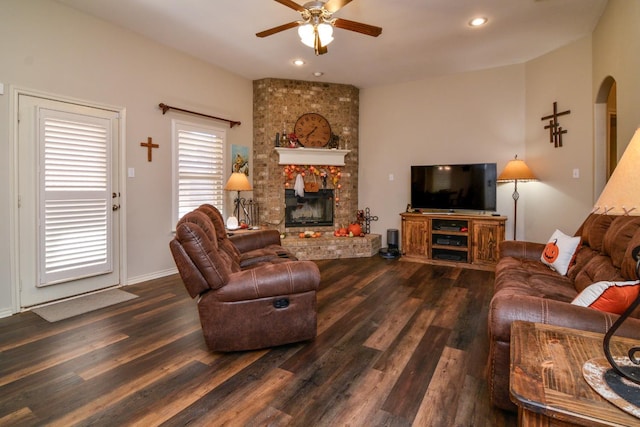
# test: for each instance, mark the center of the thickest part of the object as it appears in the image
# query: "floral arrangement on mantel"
(325, 173)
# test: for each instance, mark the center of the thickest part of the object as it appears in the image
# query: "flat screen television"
(454, 187)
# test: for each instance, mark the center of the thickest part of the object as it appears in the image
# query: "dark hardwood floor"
(398, 344)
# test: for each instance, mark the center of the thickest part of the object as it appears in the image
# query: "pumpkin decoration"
(551, 251)
(354, 229)
(341, 232)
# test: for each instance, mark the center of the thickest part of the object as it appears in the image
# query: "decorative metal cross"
(365, 216)
(555, 130)
(149, 146)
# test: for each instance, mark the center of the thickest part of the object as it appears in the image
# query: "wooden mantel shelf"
(311, 156)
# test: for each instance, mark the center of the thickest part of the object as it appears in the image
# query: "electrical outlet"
(576, 173)
(391, 177)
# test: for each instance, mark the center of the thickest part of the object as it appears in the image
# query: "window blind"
(200, 168)
(75, 213)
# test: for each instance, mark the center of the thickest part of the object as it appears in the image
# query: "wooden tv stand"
(456, 239)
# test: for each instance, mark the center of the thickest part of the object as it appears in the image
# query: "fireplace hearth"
(314, 209)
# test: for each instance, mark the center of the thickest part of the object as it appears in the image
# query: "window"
(198, 167)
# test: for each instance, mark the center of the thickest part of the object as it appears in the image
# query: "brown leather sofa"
(526, 289)
(251, 293)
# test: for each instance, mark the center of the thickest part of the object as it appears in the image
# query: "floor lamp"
(516, 170)
(238, 181)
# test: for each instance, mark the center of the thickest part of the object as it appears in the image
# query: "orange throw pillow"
(612, 297)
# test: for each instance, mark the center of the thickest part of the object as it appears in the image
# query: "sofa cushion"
(617, 238)
(612, 297)
(516, 276)
(598, 269)
(584, 254)
(559, 251)
(594, 229)
(592, 232)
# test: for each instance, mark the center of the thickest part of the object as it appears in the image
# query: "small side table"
(546, 377)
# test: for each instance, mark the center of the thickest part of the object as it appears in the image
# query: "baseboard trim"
(151, 276)
(5, 312)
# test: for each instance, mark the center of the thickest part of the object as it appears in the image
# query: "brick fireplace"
(279, 103)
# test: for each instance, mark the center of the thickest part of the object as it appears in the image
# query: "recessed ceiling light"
(298, 62)
(478, 22)
(318, 73)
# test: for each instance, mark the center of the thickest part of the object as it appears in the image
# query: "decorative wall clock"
(313, 130)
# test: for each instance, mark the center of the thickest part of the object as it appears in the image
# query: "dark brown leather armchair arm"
(270, 280)
(521, 249)
(253, 240)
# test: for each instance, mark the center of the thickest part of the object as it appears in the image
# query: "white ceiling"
(420, 38)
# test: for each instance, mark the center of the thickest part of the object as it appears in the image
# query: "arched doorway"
(606, 142)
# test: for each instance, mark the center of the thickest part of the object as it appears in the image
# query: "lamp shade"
(307, 34)
(238, 182)
(516, 170)
(621, 195)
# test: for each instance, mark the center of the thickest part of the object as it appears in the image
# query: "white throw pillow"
(559, 251)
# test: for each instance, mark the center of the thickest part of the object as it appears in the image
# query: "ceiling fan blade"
(293, 5)
(277, 29)
(358, 27)
(335, 5)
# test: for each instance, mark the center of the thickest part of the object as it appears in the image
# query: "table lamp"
(516, 170)
(621, 196)
(238, 181)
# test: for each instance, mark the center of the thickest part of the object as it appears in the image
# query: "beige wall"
(616, 53)
(48, 47)
(464, 118)
(559, 200)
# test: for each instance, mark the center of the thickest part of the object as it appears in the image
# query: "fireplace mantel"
(311, 156)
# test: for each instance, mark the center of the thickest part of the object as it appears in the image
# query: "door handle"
(115, 207)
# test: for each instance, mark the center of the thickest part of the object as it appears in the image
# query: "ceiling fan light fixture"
(307, 35)
(326, 33)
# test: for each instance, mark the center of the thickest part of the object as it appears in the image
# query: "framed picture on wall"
(240, 159)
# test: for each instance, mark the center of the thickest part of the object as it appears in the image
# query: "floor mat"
(74, 307)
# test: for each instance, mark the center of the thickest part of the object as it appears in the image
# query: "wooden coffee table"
(546, 377)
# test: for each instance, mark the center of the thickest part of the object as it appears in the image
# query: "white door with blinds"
(68, 199)
(198, 169)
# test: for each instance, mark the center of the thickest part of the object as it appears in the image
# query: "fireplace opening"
(313, 209)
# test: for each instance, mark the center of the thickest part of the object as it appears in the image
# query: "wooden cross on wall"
(555, 130)
(149, 146)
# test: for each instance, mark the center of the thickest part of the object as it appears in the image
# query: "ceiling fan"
(316, 27)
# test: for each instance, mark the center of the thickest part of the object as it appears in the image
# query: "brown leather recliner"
(244, 302)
